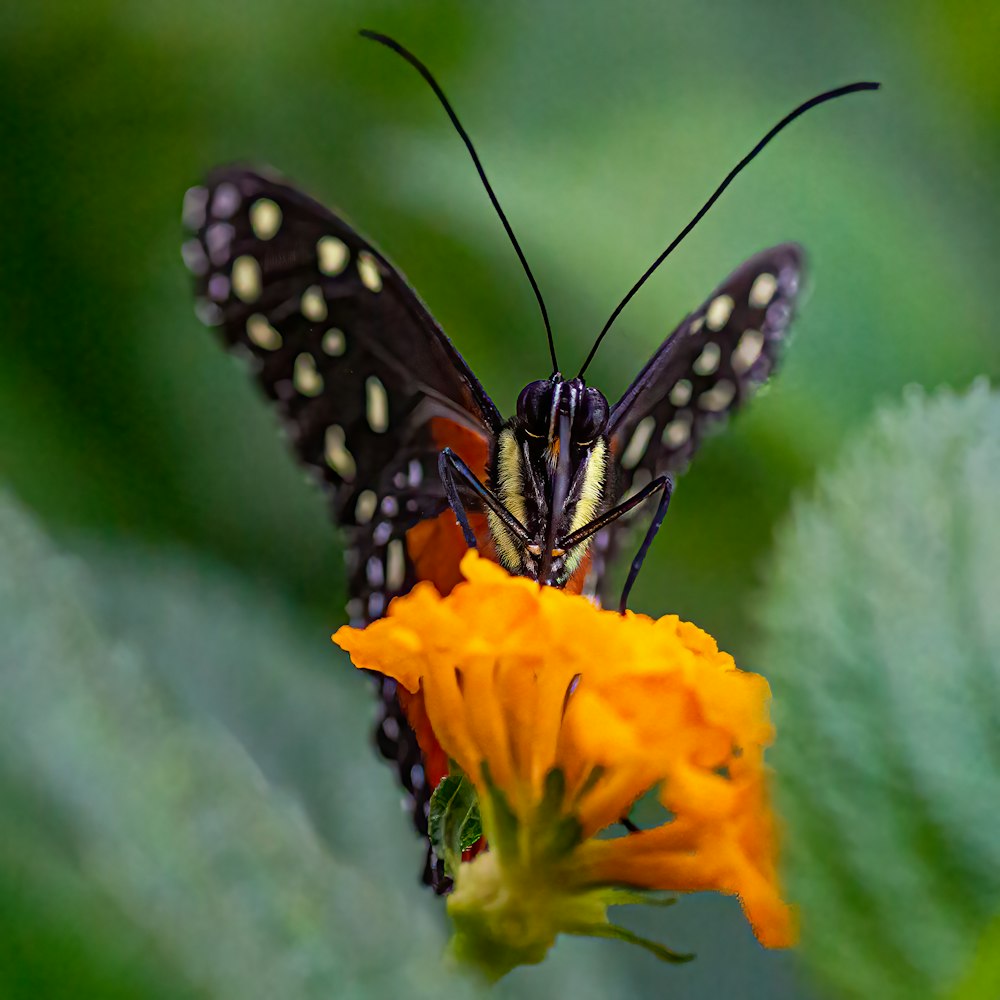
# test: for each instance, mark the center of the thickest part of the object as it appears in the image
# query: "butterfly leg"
(662, 483)
(667, 485)
(452, 471)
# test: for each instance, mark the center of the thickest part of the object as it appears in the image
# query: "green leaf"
(883, 649)
(162, 832)
(454, 823)
(981, 980)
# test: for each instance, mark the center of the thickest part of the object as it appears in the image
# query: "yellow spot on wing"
(762, 290)
(265, 218)
(751, 343)
(677, 432)
(261, 333)
(638, 443)
(305, 377)
(708, 360)
(395, 565)
(313, 304)
(718, 312)
(246, 278)
(376, 404)
(365, 506)
(337, 456)
(334, 342)
(681, 392)
(371, 276)
(333, 255)
(718, 397)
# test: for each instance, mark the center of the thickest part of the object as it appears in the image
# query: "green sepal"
(661, 951)
(454, 823)
(562, 832)
(504, 822)
(637, 897)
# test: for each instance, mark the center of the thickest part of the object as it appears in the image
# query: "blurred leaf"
(981, 980)
(241, 656)
(883, 650)
(168, 818)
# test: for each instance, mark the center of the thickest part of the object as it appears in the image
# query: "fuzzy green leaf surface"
(179, 860)
(883, 650)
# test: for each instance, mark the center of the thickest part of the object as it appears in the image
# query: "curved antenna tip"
(391, 43)
(828, 95)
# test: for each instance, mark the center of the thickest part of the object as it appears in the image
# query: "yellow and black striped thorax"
(549, 469)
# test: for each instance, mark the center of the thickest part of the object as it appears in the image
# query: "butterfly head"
(550, 472)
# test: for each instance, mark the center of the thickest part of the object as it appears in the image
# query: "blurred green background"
(603, 127)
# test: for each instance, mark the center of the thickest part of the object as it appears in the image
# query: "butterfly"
(417, 461)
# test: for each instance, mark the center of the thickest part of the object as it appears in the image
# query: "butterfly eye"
(591, 416)
(534, 407)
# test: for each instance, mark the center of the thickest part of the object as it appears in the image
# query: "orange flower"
(562, 716)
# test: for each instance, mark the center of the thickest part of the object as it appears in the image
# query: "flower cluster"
(562, 716)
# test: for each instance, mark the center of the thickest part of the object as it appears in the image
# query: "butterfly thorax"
(549, 469)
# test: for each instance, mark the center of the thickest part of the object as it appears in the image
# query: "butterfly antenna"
(391, 43)
(829, 95)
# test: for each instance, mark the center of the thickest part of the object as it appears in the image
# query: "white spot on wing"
(333, 255)
(677, 431)
(225, 201)
(390, 506)
(382, 533)
(376, 404)
(680, 394)
(778, 315)
(218, 237)
(193, 255)
(718, 312)
(376, 605)
(414, 472)
(334, 343)
(246, 278)
(208, 312)
(640, 441)
(747, 351)
(718, 397)
(375, 573)
(313, 304)
(265, 218)
(708, 361)
(337, 456)
(395, 565)
(762, 290)
(365, 507)
(261, 333)
(218, 287)
(305, 377)
(193, 209)
(788, 281)
(371, 276)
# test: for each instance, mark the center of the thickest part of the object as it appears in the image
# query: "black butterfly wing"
(367, 384)
(360, 372)
(703, 372)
